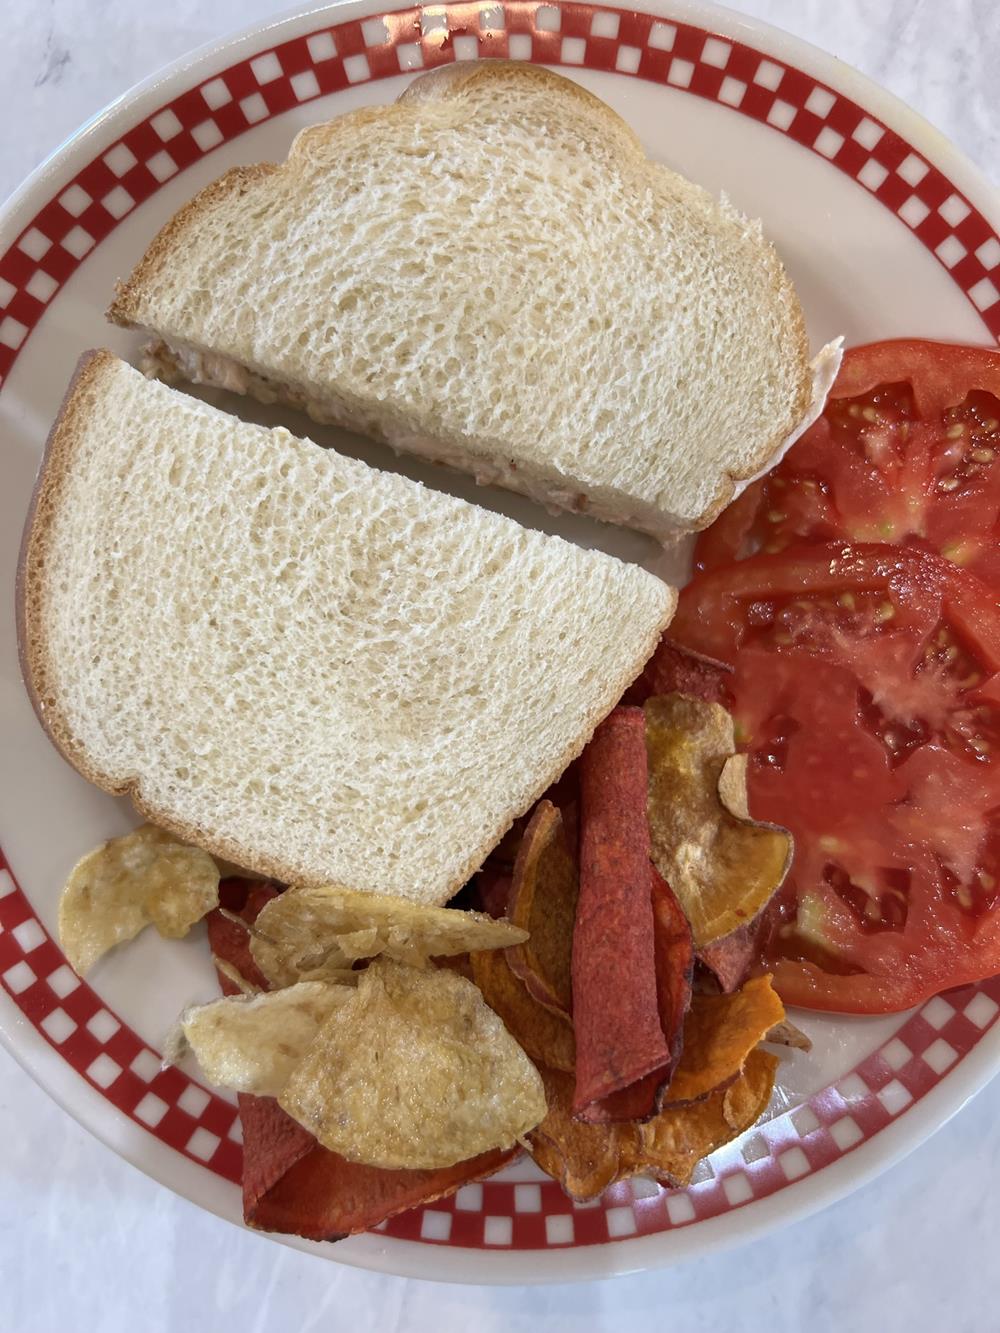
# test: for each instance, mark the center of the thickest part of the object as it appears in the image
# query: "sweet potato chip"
(253, 1043)
(723, 868)
(414, 1071)
(673, 950)
(676, 670)
(584, 1158)
(619, 1041)
(544, 1034)
(543, 903)
(587, 1158)
(229, 933)
(674, 1142)
(316, 933)
(145, 877)
(720, 1031)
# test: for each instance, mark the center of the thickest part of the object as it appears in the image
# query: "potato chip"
(317, 933)
(145, 877)
(723, 867)
(543, 902)
(720, 1031)
(252, 1043)
(236, 979)
(414, 1071)
(787, 1034)
(587, 1158)
(545, 1034)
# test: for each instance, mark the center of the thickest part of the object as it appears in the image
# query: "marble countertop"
(88, 1243)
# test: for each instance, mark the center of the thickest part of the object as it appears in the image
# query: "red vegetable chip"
(730, 958)
(676, 670)
(493, 883)
(227, 939)
(272, 1143)
(619, 1040)
(318, 1195)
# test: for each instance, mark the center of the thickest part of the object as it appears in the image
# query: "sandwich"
(321, 672)
(491, 274)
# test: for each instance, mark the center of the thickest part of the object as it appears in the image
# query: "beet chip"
(619, 1040)
(292, 1185)
(730, 958)
(673, 669)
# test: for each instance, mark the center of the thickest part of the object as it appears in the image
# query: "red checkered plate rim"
(162, 1121)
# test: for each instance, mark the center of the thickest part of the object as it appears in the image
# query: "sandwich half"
(319, 671)
(490, 273)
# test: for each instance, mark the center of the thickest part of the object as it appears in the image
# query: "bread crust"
(443, 84)
(128, 294)
(35, 670)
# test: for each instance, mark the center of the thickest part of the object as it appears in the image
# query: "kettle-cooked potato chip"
(545, 1034)
(587, 1158)
(414, 1070)
(543, 902)
(722, 866)
(145, 877)
(317, 933)
(252, 1043)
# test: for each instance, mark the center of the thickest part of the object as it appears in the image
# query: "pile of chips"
(599, 1011)
(648, 1065)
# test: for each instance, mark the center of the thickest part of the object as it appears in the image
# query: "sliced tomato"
(866, 692)
(906, 452)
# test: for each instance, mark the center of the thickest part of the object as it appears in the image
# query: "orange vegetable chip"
(545, 1035)
(723, 867)
(672, 1144)
(588, 1157)
(720, 1032)
(543, 902)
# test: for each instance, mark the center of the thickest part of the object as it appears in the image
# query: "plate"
(886, 229)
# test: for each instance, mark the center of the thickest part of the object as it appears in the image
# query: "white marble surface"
(88, 1243)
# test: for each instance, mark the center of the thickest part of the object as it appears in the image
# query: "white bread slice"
(319, 671)
(490, 273)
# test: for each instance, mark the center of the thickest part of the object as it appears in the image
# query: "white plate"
(887, 230)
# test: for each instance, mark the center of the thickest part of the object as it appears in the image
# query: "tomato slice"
(906, 452)
(866, 692)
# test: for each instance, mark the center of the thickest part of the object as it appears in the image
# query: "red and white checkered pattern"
(493, 1214)
(98, 1045)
